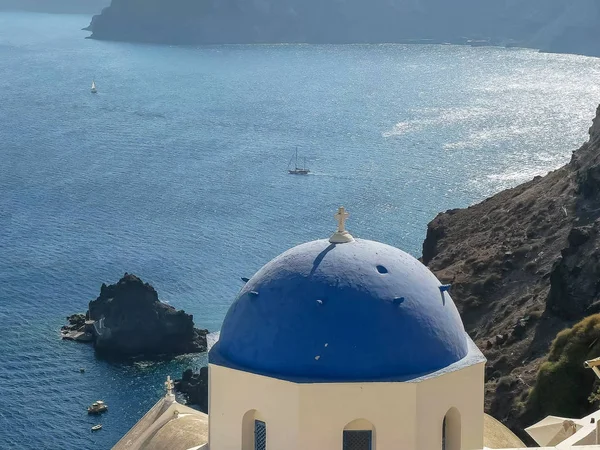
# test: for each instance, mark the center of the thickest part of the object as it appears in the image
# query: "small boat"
(94, 90)
(96, 427)
(81, 370)
(97, 407)
(298, 170)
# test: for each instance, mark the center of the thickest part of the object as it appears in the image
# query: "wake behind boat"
(298, 170)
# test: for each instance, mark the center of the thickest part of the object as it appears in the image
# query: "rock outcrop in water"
(524, 264)
(79, 329)
(128, 320)
(195, 388)
(552, 25)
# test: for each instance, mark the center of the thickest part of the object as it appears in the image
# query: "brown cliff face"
(524, 264)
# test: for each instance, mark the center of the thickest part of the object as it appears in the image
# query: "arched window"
(260, 435)
(359, 435)
(254, 432)
(451, 430)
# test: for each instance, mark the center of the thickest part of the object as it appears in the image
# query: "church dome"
(353, 311)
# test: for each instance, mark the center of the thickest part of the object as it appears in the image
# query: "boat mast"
(296, 157)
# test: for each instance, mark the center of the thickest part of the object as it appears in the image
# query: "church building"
(337, 344)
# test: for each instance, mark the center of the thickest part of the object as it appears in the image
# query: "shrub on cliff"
(563, 385)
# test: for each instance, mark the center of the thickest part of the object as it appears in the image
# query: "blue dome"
(359, 311)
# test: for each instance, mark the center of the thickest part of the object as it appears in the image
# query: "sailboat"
(298, 170)
(94, 90)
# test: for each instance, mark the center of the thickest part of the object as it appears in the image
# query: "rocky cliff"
(550, 24)
(195, 388)
(127, 319)
(524, 264)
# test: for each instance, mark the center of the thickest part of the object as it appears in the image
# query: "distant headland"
(563, 26)
(55, 6)
(128, 320)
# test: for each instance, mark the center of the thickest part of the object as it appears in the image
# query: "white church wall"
(459, 393)
(233, 394)
(406, 416)
(388, 409)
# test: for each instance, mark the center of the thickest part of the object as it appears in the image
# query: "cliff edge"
(524, 265)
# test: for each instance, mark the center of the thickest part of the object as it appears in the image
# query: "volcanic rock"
(128, 320)
(77, 330)
(195, 388)
(524, 263)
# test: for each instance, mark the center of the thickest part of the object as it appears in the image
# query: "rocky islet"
(128, 320)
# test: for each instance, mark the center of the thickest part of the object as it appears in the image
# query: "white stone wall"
(461, 391)
(233, 394)
(327, 409)
(402, 416)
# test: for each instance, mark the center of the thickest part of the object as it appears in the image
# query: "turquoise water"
(175, 171)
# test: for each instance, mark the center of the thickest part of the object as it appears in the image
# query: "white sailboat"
(298, 170)
(94, 90)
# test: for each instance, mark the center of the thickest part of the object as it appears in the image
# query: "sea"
(176, 171)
